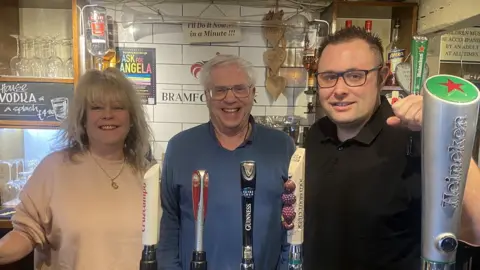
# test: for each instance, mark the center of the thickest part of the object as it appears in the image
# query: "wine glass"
(14, 61)
(23, 67)
(54, 63)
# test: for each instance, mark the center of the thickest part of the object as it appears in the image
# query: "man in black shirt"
(363, 166)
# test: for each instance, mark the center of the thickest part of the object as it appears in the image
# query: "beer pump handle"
(200, 179)
(248, 179)
(151, 217)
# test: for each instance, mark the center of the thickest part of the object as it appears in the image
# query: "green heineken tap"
(450, 113)
(419, 59)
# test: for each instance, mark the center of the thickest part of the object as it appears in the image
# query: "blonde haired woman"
(81, 209)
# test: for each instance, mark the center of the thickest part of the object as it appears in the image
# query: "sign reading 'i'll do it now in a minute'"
(204, 32)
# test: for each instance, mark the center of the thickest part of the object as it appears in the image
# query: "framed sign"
(34, 103)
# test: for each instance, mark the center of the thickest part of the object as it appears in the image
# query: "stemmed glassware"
(67, 43)
(16, 58)
(54, 63)
(23, 67)
(40, 57)
(37, 61)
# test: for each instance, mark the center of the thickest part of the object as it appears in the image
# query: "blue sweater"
(198, 148)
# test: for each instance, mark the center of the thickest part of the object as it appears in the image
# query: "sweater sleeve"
(33, 216)
(168, 253)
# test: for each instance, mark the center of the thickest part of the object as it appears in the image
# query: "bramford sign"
(182, 96)
(179, 96)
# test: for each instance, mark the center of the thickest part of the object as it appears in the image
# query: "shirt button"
(340, 148)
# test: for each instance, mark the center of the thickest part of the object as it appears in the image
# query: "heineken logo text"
(451, 194)
(420, 62)
(248, 217)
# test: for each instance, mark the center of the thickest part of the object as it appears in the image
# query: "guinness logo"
(248, 170)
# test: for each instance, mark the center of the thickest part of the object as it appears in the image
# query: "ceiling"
(297, 4)
(310, 5)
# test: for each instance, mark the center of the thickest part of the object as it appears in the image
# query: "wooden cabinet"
(37, 51)
(382, 12)
(36, 36)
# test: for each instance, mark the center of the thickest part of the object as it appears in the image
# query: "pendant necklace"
(112, 179)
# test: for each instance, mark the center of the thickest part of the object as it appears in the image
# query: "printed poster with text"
(138, 65)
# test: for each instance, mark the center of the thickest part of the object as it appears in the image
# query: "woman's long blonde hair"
(101, 87)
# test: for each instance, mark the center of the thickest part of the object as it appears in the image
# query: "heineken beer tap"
(199, 199)
(411, 76)
(450, 113)
(419, 48)
(293, 211)
(248, 176)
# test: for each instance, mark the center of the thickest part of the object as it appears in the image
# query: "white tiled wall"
(174, 58)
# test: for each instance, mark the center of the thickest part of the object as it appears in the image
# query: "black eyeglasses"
(220, 92)
(352, 78)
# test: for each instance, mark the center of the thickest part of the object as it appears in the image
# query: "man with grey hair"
(230, 137)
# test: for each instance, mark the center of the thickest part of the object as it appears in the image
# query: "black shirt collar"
(370, 130)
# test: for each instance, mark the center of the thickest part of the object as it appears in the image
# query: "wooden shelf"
(47, 4)
(35, 79)
(376, 10)
(376, 3)
(459, 62)
(29, 125)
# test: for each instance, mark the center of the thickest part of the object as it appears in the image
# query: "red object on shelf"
(348, 23)
(368, 26)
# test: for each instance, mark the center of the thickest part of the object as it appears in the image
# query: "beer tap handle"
(199, 200)
(248, 183)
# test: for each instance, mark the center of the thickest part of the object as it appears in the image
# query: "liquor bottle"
(310, 59)
(395, 55)
(310, 64)
(96, 34)
(368, 26)
(110, 58)
(348, 23)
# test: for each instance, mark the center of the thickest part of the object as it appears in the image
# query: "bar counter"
(5, 218)
(6, 226)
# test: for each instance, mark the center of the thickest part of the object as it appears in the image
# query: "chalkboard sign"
(34, 101)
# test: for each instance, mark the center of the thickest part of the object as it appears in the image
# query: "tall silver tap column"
(450, 113)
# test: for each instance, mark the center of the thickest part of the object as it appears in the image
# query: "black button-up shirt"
(362, 197)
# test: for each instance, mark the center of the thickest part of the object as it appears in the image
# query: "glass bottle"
(348, 23)
(310, 64)
(395, 55)
(96, 33)
(110, 58)
(368, 26)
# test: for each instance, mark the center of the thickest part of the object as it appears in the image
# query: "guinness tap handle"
(248, 183)
(450, 114)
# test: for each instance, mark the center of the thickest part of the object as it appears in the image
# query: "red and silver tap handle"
(200, 180)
